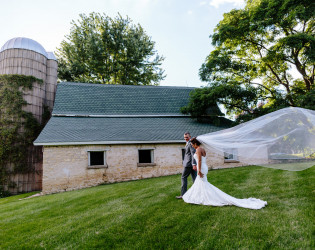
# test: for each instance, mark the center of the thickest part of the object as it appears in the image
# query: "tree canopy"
(101, 49)
(263, 59)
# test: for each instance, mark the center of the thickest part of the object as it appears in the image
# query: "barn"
(102, 133)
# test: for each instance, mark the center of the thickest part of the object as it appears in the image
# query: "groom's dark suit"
(188, 161)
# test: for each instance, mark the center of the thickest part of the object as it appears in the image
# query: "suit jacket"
(189, 159)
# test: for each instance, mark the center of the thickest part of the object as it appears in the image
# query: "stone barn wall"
(66, 167)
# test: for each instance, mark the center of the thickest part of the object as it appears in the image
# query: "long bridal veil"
(284, 139)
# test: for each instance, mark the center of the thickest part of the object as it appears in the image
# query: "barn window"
(97, 159)
(146, 157)
(183, 154)
(230, 155)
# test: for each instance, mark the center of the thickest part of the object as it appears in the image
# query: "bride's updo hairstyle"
(195, 141)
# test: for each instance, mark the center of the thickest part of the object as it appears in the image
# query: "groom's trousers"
(186, 172)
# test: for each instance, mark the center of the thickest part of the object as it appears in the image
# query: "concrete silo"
(24, 56)
(51, 80)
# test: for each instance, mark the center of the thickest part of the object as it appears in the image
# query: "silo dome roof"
(51, 56)
(24, 43)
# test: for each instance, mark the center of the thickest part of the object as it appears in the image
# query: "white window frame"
(234, 155)
(149, 164)
(96, 166)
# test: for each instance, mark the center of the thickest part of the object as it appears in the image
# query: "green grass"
(145, 214)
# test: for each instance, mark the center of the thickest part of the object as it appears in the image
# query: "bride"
(204, 193)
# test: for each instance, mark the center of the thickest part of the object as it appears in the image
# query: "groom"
(189, 164)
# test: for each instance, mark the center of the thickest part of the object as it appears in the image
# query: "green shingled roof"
(106, 99)
(108, 130)
(113, 114)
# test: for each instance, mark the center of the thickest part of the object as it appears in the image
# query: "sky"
(179, 28)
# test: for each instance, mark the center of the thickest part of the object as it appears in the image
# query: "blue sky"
(180, 28)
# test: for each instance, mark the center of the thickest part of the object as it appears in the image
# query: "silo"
(51, 80)
(24, 56)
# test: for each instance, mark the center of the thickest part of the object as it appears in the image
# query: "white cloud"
(203, 3)
(217, 3)
(189, 12)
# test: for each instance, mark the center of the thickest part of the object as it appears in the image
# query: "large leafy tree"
(101, 49)
(263, 59)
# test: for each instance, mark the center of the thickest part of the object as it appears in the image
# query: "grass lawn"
(145, 214)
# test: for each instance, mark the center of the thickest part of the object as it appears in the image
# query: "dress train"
(204, 193)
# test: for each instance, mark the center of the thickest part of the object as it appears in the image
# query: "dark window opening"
(230, 154)
(183, 154)
(96, 158)
(145, 156)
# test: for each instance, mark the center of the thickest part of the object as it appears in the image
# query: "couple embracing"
(202, 192)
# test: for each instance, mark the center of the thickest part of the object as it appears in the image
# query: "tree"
(100, 49)
(256, 49)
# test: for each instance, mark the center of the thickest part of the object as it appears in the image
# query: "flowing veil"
(284, 139)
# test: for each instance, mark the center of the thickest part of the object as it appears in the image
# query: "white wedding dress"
(204, 193)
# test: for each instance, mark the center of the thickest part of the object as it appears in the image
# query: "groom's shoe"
(179, 197)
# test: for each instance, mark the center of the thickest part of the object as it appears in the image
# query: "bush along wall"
(18, 128)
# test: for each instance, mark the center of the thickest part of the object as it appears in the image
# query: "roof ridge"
(122, 116)
(123, 86)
